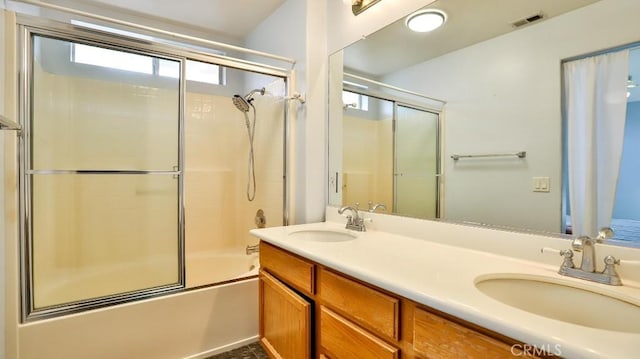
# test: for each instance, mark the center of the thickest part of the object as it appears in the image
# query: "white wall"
(505, 95)
(297, 30)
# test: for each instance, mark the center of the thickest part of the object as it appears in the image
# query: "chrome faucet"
(354, 221)
(252, 249)
(374, 207)
(588, 270)
(587, 246)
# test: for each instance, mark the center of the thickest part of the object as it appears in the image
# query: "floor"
(251, 351)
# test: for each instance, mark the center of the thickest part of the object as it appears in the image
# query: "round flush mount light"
(426, 20)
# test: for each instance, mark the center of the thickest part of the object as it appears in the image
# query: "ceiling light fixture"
(426, 20)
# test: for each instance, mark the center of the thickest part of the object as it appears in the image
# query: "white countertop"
(443, 277)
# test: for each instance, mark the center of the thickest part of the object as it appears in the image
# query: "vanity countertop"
(443, 277)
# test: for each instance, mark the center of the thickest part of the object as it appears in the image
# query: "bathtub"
(192, 324)
(217, 267)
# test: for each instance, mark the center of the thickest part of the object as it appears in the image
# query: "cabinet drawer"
(366, 306)
(295, 271)
(341, 339)
(440, 338)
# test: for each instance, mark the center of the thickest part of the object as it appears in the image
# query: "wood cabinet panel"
(293, 270)
(341, 339)
(285, 320)
(353, 319)
(439, 338)
(366, 306)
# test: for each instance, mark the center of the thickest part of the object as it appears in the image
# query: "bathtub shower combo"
(133, 169)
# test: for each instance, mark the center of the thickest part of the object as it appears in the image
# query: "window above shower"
(111, 59)
(196, 71)
(100, 62)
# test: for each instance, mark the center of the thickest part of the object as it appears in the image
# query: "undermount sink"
(323, 235)
(561, 300)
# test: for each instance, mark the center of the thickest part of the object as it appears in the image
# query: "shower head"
(243, 103)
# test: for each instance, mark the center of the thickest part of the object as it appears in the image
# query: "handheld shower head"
(240, 103)
(243, 103)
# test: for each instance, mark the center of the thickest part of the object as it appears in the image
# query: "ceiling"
(468, 22)
(233, 18)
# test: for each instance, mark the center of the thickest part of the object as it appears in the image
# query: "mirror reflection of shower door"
(416, 163)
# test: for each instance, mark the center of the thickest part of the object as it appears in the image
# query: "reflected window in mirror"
(355, 101)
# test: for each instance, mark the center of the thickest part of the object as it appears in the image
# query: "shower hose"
(251, 170)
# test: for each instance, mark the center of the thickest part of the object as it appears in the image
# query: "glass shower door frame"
(29, 25)
(438, 179)
(29, 311)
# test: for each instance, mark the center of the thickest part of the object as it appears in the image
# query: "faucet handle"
(610, 263)
(566, 253)
(549, 250)
(611, 260)
(604, 233)
(568, 258)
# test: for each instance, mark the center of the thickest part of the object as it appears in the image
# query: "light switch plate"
(541, 184)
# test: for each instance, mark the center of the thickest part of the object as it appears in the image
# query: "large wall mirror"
(497, 67)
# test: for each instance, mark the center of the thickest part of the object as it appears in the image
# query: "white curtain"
(595, 106)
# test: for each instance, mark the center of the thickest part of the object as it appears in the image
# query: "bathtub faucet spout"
(253, 249)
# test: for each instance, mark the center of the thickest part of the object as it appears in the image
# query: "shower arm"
(249, 96)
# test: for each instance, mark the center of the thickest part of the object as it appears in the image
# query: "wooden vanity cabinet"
(310, 311)
(285, 311)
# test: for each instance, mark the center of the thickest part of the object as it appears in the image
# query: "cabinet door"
(285, 320)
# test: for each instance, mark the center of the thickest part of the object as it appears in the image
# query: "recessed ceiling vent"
(527, 20)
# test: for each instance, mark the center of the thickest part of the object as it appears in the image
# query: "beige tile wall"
(219, 215)
(367, 161)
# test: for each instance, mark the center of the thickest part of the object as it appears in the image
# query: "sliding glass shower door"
(102, 174)
(416, 163)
